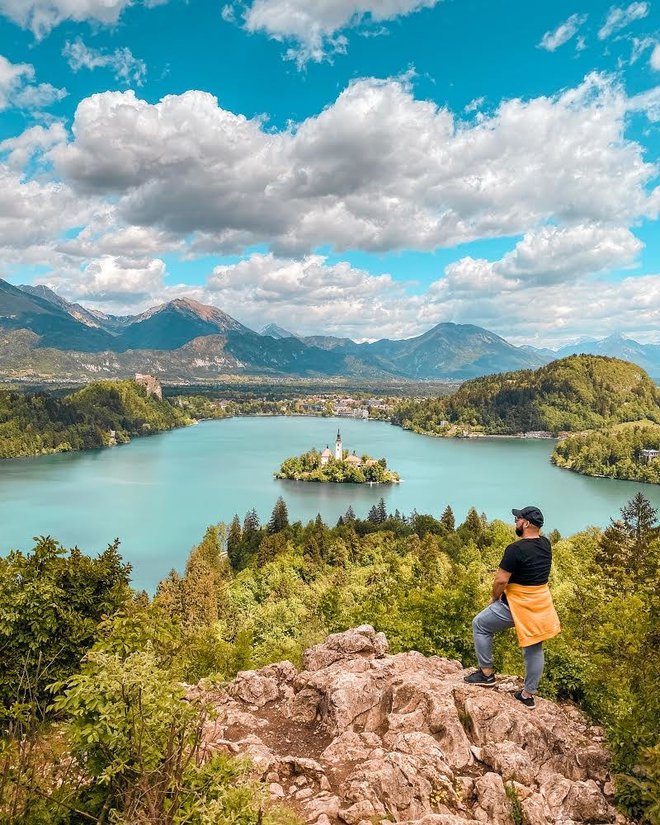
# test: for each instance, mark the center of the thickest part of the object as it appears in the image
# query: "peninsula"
(338, 467)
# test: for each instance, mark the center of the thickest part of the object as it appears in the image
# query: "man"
(520, 598)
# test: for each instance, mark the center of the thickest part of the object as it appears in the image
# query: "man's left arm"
(499, 583)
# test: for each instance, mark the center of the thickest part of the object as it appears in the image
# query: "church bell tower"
(339, 453)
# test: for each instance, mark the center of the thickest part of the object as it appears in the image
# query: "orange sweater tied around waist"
(533, 613)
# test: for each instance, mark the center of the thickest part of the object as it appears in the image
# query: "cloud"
(126, 68)
(655, 58)
(550, 255)
(113, 279)
(649, 104)
(552, 40)
(377, 170)
(337, 299)
(474, 105)
(33, 141)
(314, 27)
(18, 89)
(620, 17)
(34, 213)
(546, 290)
(41, 16)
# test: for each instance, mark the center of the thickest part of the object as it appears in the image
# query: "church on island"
(337, 467)
(353, 459)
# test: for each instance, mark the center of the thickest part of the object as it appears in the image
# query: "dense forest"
(582, 392)
(310, 467)
(38, 423)
(93, 726)
(616, 452)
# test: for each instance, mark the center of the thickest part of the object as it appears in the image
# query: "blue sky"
(367, 168)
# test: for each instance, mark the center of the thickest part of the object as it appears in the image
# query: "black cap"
(531, 514)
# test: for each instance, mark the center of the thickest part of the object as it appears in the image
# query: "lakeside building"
(649, 455)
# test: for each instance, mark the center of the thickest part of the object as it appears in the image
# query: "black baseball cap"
(531, 514)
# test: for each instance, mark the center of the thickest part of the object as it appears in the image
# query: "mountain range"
(44, 336)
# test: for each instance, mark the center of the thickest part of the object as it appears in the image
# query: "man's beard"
(519, 531)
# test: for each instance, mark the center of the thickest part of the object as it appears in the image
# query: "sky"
(361, 168)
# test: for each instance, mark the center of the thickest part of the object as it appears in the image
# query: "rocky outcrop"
(359, 737)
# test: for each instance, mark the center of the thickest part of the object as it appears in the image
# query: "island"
(338, 467)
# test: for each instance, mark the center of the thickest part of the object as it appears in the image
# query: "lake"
(159, 494)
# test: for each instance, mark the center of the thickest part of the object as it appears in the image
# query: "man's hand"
(499, 583)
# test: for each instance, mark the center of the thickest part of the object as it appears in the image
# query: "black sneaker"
(528, 701)
(480, 678)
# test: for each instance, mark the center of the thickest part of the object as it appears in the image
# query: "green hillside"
(34, 424)
(615, 452)
(581, 392)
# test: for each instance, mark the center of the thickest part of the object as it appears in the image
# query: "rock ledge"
(359, 736)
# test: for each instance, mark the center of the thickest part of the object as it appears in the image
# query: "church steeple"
(339, 453)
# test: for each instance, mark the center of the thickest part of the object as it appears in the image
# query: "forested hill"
(581, 392)
(38, 423)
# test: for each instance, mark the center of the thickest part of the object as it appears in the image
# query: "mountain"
(580, 392)
(76, 311)
(646, 356)
(450, 351)
(274, 331)
(329, 342)
(46, 336)
(55, 326)
(171, 325)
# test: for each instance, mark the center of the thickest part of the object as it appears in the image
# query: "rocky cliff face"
(360, 737)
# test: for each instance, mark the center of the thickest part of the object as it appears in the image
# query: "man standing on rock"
(521, 599)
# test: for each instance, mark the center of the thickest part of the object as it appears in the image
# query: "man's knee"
(476, 625)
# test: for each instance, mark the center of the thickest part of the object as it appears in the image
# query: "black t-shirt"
(528, 561)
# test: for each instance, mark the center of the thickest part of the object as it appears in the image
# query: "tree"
(52, 601)
(629, 546)
(349, 515)
(279, 519)
(447, 519)
(234, 541)
(251, 537)
(472, 523)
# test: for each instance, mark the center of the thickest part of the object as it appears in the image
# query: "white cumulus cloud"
(552, 40)
(112, 279)
(619, 17)
(377, 170)
(337, 299)
(35, 140)
(18, 88)
(550, 255)
(314, 27)
(126, 68)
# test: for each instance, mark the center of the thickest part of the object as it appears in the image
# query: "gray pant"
(493, 619)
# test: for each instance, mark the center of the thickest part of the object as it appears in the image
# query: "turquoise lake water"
(159, 494)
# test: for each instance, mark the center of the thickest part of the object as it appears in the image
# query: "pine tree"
(629, 546)
(279, 519)
(447, 519)
(234, 543)
(472, 522)
(251, 534)
(349, 515)
(382, 511)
